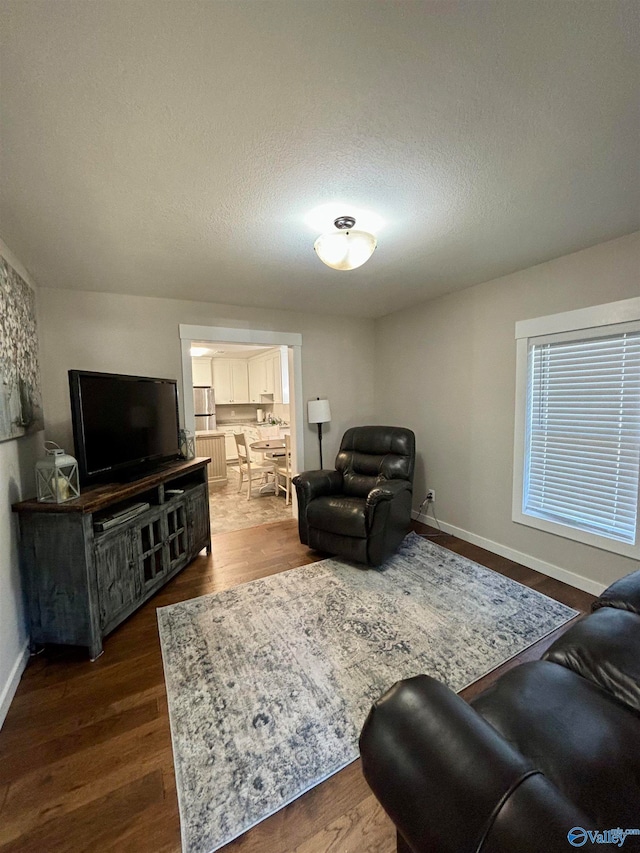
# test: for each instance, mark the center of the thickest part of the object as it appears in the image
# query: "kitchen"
(240, 389)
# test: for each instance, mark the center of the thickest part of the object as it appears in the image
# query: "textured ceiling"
(173, 148)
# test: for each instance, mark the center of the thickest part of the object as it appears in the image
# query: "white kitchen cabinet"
(239, 380)
(274, 377)
(201, 371)
(257, 378)
(267, 377)
(271, 374)
(222, 380)
(230, 380)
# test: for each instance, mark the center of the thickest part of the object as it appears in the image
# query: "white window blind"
(582, 442)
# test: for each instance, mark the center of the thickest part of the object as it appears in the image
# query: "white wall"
(447, 370)
(140, 335)
(17, 481)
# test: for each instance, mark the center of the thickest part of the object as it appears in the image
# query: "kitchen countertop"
(229, 424)
(203, 433)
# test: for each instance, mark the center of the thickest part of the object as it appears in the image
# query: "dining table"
(273, 447)
(269, 446)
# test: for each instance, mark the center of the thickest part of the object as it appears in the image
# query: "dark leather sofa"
(552, 746)
(362, 509)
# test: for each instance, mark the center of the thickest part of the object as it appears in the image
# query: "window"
(577, 451)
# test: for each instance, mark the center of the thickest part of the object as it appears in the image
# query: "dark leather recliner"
(552, 747)
(362, 510)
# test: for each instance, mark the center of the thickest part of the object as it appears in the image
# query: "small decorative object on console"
(187, 444)
(57, 475)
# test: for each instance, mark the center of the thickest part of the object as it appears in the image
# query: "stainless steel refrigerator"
(204, 407)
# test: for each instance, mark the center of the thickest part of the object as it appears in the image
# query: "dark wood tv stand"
(80, 581)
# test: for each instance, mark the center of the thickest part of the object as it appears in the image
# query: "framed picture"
(20, 393)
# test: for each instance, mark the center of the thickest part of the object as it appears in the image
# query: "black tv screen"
(122, 424)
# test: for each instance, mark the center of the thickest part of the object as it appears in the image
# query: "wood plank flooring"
(85, 751)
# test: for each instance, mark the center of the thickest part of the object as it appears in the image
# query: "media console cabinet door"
(60, 580)
(198, 520)
(118, 574)
(176, 536)
(151, 536)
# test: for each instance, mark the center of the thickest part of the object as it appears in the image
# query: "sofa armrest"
(623, 594)
(450, 782)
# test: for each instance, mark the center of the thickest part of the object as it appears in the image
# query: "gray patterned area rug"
(270, 682)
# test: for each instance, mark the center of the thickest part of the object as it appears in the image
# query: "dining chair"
(283, 471)
(249, 469)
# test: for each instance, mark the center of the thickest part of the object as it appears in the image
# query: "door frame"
(263, 337)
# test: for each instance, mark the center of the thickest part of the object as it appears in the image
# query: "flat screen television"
(122, 425)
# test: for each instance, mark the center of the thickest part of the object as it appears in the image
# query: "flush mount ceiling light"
(345, 249)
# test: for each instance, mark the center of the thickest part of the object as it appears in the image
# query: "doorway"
(255, 412)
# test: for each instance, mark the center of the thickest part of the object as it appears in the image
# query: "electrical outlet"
(431, 495)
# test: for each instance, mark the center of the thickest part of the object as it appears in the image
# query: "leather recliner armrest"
(387, 490)
(452, 784)
(315, 484)
(623, 594)
(310, 485)
(377, 504)
(603, 648)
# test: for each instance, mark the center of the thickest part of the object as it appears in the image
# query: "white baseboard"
(549, 569)
(9, 689)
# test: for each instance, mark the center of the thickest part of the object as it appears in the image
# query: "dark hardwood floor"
(85, 751)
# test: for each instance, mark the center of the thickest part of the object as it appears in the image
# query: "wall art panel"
(20, 393)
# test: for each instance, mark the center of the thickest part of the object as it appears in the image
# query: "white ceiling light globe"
(345, 250)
